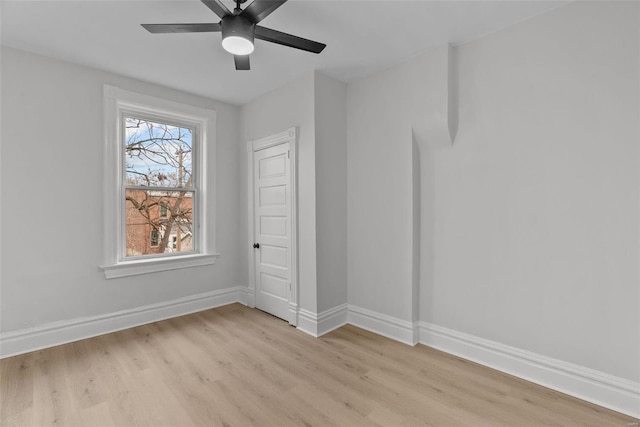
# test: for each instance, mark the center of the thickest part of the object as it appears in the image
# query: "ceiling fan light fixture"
(237, 45)
(237, 35)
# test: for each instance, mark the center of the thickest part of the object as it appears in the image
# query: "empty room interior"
(304, 212)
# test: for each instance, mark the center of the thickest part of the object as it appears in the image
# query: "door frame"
(288, 136)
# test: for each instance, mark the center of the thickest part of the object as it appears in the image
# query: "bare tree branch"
(158, 155)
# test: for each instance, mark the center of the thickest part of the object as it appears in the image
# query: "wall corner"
(437, 125)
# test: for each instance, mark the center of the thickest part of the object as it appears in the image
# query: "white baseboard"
(308, 322)
(587, 384)
(247, 296)
(293, 314)
(390, 327)
(319, 324)
(52, 334)
(332, 319)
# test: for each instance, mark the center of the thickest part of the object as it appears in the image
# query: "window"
(154, 239)
(159, 178)
(158, 206)
(163, 210)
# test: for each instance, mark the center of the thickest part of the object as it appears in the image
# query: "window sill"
(132, 268)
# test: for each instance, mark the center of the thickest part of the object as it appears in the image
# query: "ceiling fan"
(239, 29)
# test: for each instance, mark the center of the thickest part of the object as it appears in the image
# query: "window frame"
(164, 211)
(119, 103)
(152, 238)
(194, 189)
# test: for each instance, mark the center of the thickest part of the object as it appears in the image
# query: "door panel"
(272, 227)
(274, 256)
(275, 195)
(274, 286)
(273, 166)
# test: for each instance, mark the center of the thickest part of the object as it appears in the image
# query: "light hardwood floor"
(235, 366)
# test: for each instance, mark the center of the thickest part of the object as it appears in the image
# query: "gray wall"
(331, 191)
(537, 202)
(532, 214)
(52, 127)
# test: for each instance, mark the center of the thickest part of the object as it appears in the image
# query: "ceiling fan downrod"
(237, 10)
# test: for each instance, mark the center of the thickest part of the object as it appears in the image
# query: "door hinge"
(288, 151)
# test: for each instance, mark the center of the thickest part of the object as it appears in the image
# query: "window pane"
(143, 216)
(155, 237)
(157, 154)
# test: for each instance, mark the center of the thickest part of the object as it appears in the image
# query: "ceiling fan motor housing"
(238, 26)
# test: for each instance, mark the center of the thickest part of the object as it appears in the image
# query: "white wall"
(533, 212)
(331, 191)
(381, 111)
(537, 202)
(290, 106)
(316, 106)
(52, 123)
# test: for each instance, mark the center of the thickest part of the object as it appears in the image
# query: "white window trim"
(117, 101)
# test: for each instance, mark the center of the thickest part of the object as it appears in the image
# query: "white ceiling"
(361, 36)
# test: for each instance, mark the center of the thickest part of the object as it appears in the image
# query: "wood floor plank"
(101, 412)
(82, 376)
(235, 366)
(53, 400)
(16, 386)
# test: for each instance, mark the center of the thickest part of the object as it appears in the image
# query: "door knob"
(256, 246)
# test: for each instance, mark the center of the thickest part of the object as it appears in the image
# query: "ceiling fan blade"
(260, 9)
(182, 28)
(217, 7)
(242, 62)
(285, 39)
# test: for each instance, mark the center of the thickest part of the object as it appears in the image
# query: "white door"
(272, 229)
